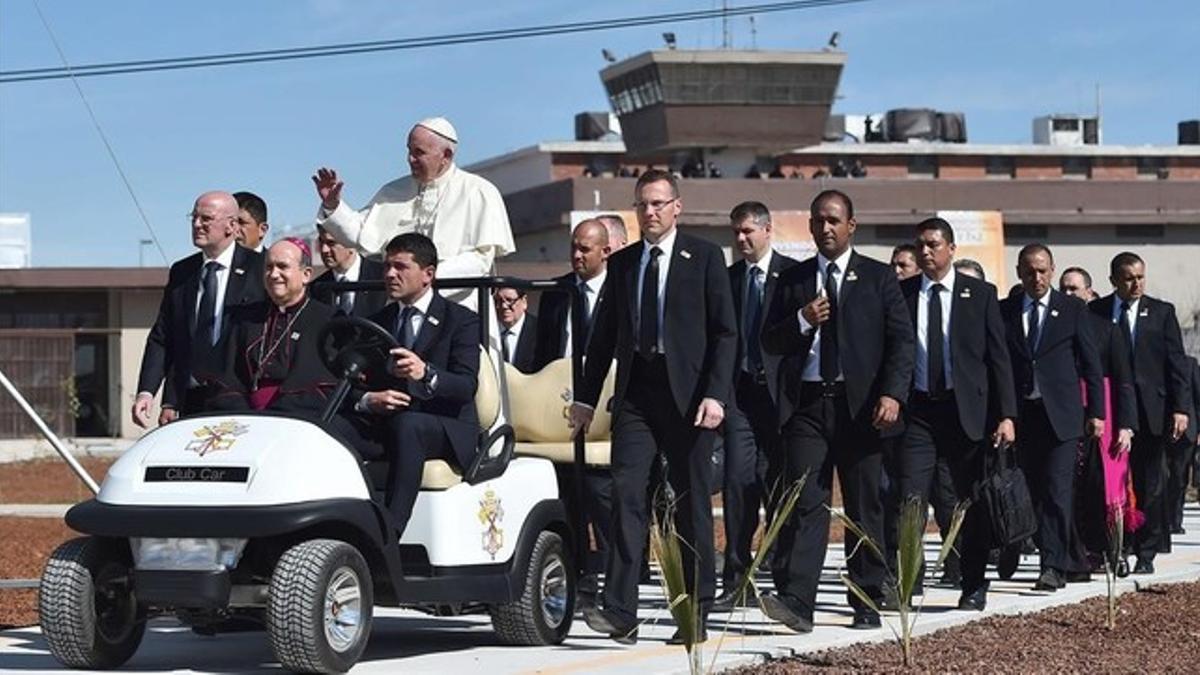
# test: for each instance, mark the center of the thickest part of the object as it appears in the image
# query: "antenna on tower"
(753, 33)
(726, 39)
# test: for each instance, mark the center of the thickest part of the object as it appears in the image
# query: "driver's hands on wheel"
(408, 365)
(386, 401)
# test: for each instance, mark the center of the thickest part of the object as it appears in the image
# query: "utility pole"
(726, 39)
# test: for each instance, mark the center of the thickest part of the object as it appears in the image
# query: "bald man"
(558, 317)
(462, 213)
(618, 235)
(200, 290)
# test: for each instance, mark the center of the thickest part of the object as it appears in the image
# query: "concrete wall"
(135, 311)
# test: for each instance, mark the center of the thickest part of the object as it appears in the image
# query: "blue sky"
(267, 127)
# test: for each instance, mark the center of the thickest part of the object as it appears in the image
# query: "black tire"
(87, 609)
(296, 607)
(543, 613)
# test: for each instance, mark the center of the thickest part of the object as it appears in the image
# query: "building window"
(1076, 167)
(922, 166)
(1000, 166)
(1026, 233)
(1140, 232)
(1152, 167)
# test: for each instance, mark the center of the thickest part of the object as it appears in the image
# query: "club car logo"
(490, 515)
(215, 437)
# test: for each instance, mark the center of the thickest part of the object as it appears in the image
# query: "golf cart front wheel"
(543, 613)
(86, 605)
(319, 607)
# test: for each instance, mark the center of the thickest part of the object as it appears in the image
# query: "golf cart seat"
(539, 403)
(438, 474)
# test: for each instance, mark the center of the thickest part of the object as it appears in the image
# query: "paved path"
(34, 510)
(405, 641)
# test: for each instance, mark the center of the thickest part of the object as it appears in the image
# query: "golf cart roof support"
(49, 435)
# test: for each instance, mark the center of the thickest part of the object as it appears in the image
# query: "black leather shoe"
(1010, 558)
(1144, 566)
(1078, 577)
(603, 621)
(1178, 530)
(974, 600)
(1050, 580)
(677, 637)
(865, 618)
(778, 609)
(728, 600)
(890, 601)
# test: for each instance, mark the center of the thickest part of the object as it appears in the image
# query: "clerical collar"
(295, 306)
(441, 180)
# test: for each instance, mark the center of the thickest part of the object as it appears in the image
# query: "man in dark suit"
(1148, 335)
(668, 319)
(200, 289)
(1052, 348)
(752, 422)
(839, 323)
(425, 408)
(1181, 458)
(557, 319)
(518, 328)
(962, 372)
(343, 263)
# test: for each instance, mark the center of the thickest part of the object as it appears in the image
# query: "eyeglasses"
(206, 219)
(508, 304)
(656, 205)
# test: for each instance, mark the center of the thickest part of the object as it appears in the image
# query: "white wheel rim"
(554, 592)
(343, 609)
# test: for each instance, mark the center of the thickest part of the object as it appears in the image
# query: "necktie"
(580, 321)
(935, 342)
(404, 331)
(345, 299)
(753, 320)
(1126, 327)
(206, 315)
(648, 315)
(1035, 328)
(829, 329)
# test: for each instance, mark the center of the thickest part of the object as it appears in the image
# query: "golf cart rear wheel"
(319, 607)
(543, 613)
(87, 608)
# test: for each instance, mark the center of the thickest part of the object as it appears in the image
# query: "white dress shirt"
(417, 320)
(591, 293)
(921, 372)
(812, 367)
(511, 336)
(1133, 316)
(351, 274)
(666, 245)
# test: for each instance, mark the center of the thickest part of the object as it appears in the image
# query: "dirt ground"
(1158, 631)
(27, 544)
(48, 481)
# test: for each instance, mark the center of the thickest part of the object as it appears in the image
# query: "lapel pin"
(296, 335)
(851, 276)
(966, 293)
(238, 270)
(685, 254)
(1054, 312)
(433, 320)
(774, 275)
(1145, 312)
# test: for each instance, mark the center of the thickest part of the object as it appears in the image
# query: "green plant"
(910, 559)
(1116, 544)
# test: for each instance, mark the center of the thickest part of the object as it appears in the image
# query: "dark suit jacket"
(875, 339)
(1066, 353)
(1161, 375)
(167, 358)
(449, 342)
(1194, 418)
(308, 384)
(553, 313)
(1110, 346)
(981, 367)
(524, 357)
(737, 281)
(366, 303)
(699, 331)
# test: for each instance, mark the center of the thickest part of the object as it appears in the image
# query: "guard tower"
(673, 100)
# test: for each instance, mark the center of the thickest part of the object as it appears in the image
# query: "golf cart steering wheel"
(353, 347)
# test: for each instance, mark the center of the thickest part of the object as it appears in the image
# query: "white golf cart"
(267, 520)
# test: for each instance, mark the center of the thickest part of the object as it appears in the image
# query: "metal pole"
(58, 445)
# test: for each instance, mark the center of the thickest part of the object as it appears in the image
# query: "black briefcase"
(1004, 495)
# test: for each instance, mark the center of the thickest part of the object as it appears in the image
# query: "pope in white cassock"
(462, 213)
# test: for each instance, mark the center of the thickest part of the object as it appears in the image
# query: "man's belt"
(822, 389)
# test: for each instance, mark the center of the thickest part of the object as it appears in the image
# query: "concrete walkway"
(405, 641)
(34, 510)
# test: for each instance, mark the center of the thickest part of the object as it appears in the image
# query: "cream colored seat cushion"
(595, 453)
(538, 407)
(438, 474)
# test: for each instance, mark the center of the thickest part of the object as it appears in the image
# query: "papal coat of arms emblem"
(214, 437)
(490, 515)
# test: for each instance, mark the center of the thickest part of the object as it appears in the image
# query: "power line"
(103, 137)
(475, 37)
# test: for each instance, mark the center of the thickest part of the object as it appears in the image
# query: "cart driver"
(426, 408)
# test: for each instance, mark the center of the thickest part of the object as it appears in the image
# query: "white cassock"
(462, 213)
